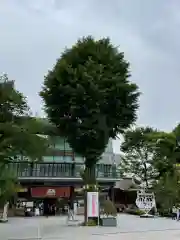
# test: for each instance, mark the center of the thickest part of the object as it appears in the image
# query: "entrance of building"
(49, 206)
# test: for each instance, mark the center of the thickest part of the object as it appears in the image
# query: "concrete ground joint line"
(35, 238)
(137, 231)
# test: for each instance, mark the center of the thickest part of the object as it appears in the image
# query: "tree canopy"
(148, 153)
(16, 133)
(89, 97)
(167, 191)
(138, 152)
(165, 154)
(17, 128)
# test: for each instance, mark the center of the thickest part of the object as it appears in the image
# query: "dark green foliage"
(89, 97)
(17, 136)
(8, 184)
(176, 132)
(134, 212)
(137, 138)
(17, 128)
(148, 153)
(90, 223)
(167, 191)
(165, 155)
(109, 208)
(138, 154)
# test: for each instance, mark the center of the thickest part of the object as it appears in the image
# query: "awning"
(126, 184)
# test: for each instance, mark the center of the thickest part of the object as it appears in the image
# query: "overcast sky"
(33, 33)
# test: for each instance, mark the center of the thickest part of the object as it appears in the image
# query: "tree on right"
(138, 154)
(148, 154)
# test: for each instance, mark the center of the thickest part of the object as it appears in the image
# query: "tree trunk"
(72, 196)
(89, 181)
(5, 212)
(90, 175)
(145, 176)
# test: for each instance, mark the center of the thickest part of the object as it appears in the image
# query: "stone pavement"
(52, 228)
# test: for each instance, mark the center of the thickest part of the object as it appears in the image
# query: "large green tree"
(137, 154)
(165, 152)
(17, 134)
(17, 128)
(167, 191)
(167, 188)
(89, 97)
(149, 154)
(176, 132)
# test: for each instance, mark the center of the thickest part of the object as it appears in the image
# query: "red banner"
(50, 192)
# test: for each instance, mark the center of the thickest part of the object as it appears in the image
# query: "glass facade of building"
(62, 152)
(60, 160)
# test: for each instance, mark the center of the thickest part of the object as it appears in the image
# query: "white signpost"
(92, 204)
(145, 202)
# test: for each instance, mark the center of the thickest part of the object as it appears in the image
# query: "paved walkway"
(52, 228)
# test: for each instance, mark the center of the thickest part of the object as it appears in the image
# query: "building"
(58, 174)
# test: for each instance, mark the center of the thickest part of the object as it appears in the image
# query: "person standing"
(70, 211)
(177, 213)
(174, 213)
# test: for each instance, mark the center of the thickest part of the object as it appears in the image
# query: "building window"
(67, 158)
(48, 159)
(58, 158)
(104, 170)
(62, 159)
(79, 159)
(59, 143)
(67, 147)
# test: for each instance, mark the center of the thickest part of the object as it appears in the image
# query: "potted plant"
(109, 218)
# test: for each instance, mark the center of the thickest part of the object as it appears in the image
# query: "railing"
(59, 170)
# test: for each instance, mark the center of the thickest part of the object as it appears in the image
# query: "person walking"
(70, 211)
(174, 213)
(177, 213)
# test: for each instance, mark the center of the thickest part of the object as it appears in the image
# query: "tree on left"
(17, 137)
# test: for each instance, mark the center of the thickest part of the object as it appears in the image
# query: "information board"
(92, 204)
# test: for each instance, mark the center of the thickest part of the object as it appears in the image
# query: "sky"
(35, 32)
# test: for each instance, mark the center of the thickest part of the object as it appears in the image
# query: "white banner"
(92, 204)
(145, 201)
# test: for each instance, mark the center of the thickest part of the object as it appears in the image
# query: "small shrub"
(164, 212)
(90, 223)
(109, 208)
(134, 212)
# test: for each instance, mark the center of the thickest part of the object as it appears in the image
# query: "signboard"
(145, 201)
(92, 204)
(50, 192)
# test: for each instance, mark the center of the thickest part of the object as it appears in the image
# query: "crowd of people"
(40, 209)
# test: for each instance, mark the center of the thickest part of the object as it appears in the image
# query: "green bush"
(90, 223)
(134, 211)
(109, 208)
(164, 212)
